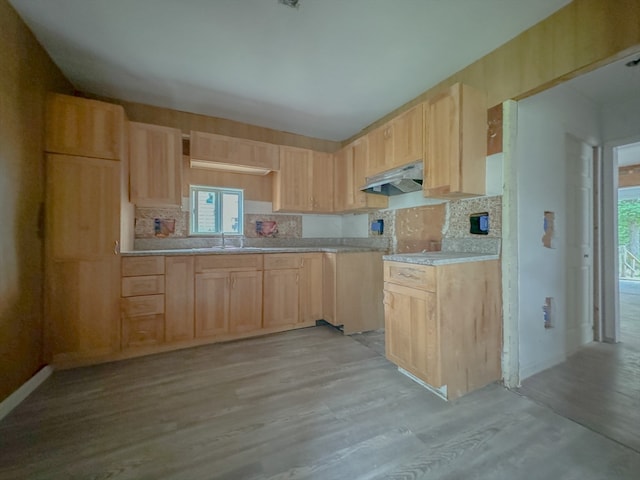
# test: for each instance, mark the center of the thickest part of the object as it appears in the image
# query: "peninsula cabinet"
(398, 142)
(155, 155)
(456, 143)
(443, 324)
(352, 291)
(234, 151)
(79, 126)
(304, 182)
(228, 294)
(82, 267)
(350, 175)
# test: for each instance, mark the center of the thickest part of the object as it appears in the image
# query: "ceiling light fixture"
(290, 3)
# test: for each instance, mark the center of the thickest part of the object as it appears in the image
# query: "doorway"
(627, 162)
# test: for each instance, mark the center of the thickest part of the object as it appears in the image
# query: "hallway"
(599, 387)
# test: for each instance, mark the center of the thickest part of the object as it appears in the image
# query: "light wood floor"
(599, 386)
(306, 404)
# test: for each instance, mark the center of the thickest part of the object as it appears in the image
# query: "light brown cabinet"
(398, 142)
(89, 128)
(179, 301)
(292, 289)
(352, 291)
(450, 344)
(82, 267)
(234, 151)
(350, 175)
(304, 182)
(456, 143)
(228, 294)
(281, 290)
(310, 287)
(142, 303)
(155, 155)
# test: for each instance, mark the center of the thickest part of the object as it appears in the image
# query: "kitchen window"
(215, 211)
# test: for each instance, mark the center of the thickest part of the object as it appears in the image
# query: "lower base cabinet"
(228, 294)
(352, 291)
(179, 299)
(443, 324)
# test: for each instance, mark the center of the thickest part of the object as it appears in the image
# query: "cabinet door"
(82, 308)
(443, 143)
(380, 150)
(343, 165)
(235, 151)
(281, 297)
(322, 182)
(412, 333)
(78, 126)
(408, 144)
(245, 302)
(456, 144)
(356, 198)
(210, 146)
(255, 154)
(155, 154)
(329, 288)
(212, 304)
(82, 208)
(292, 184)
(311, 294)
(179, 299)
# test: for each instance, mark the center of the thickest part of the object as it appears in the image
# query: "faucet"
(223, 245)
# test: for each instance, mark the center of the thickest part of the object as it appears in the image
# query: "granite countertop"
(246, 250)
(440, 258)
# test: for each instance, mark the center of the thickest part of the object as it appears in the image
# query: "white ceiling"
(326, 69)
(611, 85)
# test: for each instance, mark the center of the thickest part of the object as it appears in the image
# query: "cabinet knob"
(116, 247)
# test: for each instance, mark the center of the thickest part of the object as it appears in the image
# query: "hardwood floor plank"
(305, 404)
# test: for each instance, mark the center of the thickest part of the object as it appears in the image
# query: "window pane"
(230, 212)
(206, 212)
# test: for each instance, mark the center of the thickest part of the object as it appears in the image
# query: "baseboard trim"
(26, 389)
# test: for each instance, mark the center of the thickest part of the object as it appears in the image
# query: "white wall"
(543, 121)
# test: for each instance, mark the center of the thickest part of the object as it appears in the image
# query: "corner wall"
(26, 74)
(543, 121)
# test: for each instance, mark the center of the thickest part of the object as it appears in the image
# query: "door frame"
(609, 236)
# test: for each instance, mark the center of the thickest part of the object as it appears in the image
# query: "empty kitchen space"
(315, 239)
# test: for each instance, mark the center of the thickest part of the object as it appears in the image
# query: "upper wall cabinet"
(235, 151)
(398, 142)
(304, 182)
(78, 126)
(456, 143)
(155, 154)
(350, 175)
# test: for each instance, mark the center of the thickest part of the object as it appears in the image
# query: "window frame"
(218, 193)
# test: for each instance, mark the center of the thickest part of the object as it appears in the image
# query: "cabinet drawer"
(133, 266)
(422, 277)
(275, 261)
(142, 331)
(144, 305)
(205, 263)
(147, 285)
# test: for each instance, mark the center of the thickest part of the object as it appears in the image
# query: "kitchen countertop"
(246, 250)
(440, 258)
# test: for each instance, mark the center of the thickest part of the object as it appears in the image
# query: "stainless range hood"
(397, 181)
